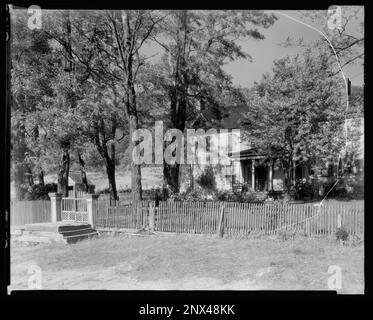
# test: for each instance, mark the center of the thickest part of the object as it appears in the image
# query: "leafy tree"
(31, 74)
(106, 46)
(297, 114)
(197, 45)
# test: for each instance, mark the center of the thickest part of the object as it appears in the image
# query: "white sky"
(265, 51)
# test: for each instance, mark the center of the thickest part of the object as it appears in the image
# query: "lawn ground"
(186, 262)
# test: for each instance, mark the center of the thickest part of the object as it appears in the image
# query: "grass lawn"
(185, 262)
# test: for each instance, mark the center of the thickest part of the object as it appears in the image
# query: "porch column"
(91, 208)
(253, 174)
(56, 199)
(271, 176)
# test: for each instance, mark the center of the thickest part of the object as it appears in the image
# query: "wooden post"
(221, 222)
(339, 225)
(91, 208)
(151, 216)
(339, 220)
(138, 215)
(56, 199)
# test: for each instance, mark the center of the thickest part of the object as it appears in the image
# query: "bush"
(207, 179)
(354, 241)
(191, 195)
(285, 235)
(228, 196)
(341, 234)
(158, 194)
(303, 189)
(275, 195)
(40, 192)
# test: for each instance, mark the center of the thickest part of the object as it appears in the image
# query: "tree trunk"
(83, 173)
(64, 168)
(19, 174)
(29, 176)
(41, 177)
(171, 176)
(19, 169)
(63, 173)
(131, 112)
(110, 170)
(287, 167)
(178, 102)
(178, 117)
(136, 187)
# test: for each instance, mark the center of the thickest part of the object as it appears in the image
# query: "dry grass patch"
(187, 262)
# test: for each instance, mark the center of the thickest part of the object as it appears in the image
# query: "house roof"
(251, 153)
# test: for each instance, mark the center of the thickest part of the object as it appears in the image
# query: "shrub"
(40, 192)
(190, 195)
(354, 240)
(228, 196)
(341, 234)
(248, 196)
(285, 234)
(276, 195)
(304, 189)
(207, 179)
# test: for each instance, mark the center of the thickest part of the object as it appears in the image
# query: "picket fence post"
(151, 216)
(221, 222)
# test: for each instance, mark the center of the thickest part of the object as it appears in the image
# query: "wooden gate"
(74, 209)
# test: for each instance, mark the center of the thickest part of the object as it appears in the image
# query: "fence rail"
(24, 212)
(237, 218)
(232, 219)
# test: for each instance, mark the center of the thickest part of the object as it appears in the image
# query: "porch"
(261, 174)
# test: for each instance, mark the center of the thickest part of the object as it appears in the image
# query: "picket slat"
(24, 212)
(203, 217)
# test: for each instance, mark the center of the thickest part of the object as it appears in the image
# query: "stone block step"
(55, 226)
(81, 231)
(73, 227)
(60, 232)
(80, 237)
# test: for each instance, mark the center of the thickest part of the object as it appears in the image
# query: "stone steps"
(60, 232)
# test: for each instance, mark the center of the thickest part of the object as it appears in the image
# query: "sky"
(264, 52)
